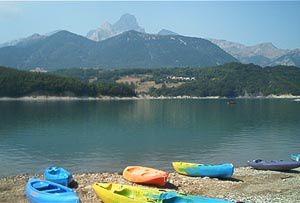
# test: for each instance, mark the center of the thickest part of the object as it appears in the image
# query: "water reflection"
(108, 135)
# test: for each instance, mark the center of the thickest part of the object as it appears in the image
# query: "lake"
(109, 135)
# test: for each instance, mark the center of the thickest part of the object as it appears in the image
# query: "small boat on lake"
(274, 165)
(203, 170)
(117, 193)
(295, 157)
(231, 102)
(145, 175)
(43, 191)
(58, 175)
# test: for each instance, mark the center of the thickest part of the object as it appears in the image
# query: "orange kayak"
(144, 175)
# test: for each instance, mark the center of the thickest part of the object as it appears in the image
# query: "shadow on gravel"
(170, 186)
(291, 171)
(73, 184)
(231, 179)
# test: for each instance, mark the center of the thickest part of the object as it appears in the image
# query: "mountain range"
(65, 49)
(129, 49)
(264, 54)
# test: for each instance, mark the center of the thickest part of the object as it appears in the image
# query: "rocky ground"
(247, 185)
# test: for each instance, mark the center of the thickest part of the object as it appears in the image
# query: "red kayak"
(145, 175)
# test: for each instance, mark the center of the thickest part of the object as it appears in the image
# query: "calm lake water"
(109, 135)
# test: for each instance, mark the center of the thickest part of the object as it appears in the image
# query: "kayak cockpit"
(48, 188)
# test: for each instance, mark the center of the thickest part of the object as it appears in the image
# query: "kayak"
(117, 193)
(295, 157)
(43, 191)
(202, 170)
(58, 175)
(274, 165)
(145, 175)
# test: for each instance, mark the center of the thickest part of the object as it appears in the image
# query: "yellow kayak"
(117, 193)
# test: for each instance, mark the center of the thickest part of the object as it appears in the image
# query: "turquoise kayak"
(203, 170)
(295, 157)
(58, 175)
(174, 197)
(43, 191)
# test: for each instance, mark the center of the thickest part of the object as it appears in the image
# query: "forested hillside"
(16, 83)
(230, 80)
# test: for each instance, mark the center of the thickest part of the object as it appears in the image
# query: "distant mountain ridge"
(130, 49)
(125, 23)
(27, 40)
(23, 41)
(264, 54)
(292, 58)
(166, 32)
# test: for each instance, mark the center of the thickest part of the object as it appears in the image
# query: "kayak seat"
(47, 188)
(55, 190)
(125, 192)
(40, 186)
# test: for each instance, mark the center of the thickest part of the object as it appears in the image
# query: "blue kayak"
(295, 157)
(203, 170)
(174, 197)
(58, 175)
(273, 165)
(43, 191)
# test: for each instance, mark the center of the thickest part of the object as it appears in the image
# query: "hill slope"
(230, 80)
(16, 83)
(261, 54)
(128, 50)
(290, 59)
(235, 79)
(63, 49)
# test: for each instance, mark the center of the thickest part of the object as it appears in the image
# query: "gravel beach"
(247, 185)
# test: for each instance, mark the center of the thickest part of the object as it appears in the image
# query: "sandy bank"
(246, 185)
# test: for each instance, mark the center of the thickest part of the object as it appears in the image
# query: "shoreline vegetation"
(233, 80)
(246, 185)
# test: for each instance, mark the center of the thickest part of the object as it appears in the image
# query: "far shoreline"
(141, 97)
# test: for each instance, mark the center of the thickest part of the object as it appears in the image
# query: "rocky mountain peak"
(125, 23)
(106, 26)
(166, 32)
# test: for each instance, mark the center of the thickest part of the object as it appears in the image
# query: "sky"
(244, 22)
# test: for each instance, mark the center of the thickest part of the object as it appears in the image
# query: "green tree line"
(235, 79)
(16, 83)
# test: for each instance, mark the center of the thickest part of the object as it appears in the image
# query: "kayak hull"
(58, 175)
(145, 175)
(201, 170)
(43, 191)
(295, 157)
(174, 197)
(274, 165)
(117, 193)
